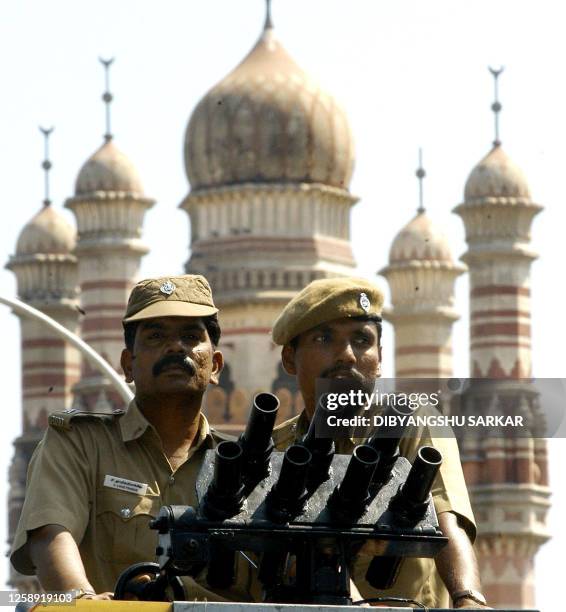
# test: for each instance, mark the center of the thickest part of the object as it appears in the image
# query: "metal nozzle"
(350, 498)
(288, 496)
(224, 497)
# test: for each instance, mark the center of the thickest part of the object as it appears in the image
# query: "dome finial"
(107, 96)
(420, 173)
(268, 22)
(46, 164)
(496, 106)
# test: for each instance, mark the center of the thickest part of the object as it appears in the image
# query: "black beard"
(183, 361)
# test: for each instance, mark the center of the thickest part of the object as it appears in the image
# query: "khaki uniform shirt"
(418, 578)
(68, 480)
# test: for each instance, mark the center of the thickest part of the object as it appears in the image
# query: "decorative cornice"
(497, 201)
(504, 250)
(209, 195)
(104, 196)
(110, 245)
(39, 258)
(424, 264)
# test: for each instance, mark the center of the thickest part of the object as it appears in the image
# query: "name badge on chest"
(123, 484)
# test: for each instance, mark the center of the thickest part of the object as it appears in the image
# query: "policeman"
(332, 329)
(95, 482)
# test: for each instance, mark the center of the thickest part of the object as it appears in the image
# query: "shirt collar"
(203, 438)
(133, 425)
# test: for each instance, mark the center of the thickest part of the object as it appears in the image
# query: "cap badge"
(364, 302)
(168, 287)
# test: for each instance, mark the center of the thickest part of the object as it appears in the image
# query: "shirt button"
(125, 513)
(171, 480)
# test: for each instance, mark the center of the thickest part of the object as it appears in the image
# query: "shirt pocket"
(122, 526)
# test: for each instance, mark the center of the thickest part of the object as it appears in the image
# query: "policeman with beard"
(332, 329)
(95, 481)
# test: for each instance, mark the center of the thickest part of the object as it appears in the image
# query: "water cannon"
(225, 495)
(411, 501)
(407, 507)
(256, 440)
(351, 497)
(322, 449)
(386, 441)
(308, 509)
(288, 496)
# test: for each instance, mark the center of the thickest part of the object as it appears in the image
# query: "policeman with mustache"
(96, 481)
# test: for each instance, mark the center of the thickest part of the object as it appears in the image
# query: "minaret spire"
(268, 22)
(420, 173)
(107, 96)
(496, 106)
(46, 164)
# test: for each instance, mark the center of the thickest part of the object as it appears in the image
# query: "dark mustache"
(340, 369)
(183, 361)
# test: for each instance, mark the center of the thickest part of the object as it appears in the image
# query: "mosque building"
(269, 156)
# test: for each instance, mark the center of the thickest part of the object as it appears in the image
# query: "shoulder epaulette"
(63, 420)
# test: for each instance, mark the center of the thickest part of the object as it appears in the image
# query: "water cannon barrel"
(421, 477)
(227, 467)
(386, 446)
(256, 440)
(351, 496)
(322, 449)
(408, 507)
(257, 435)
(386, 442)
(289, 494)
(316, 443)
(224, 497)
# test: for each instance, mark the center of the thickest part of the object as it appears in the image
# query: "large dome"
(496, 176)
(108, 169)
(46, 233)
(267, 121)
(420, 240)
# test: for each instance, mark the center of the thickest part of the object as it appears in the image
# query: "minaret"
(507, 476)
(46, 273)
(421, 275)
(269, 156)
(109, 205)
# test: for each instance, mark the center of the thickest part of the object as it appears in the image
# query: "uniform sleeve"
(449, 491)
(57, 492)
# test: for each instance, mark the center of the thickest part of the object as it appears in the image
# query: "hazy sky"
(409, 74)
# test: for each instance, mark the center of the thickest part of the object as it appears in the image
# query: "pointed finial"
(107, 96)
(46, 164)
(496, 106)
(268, 22)
(420, 175)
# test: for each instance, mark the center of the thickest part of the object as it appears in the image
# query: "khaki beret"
(171, 296)
(325, 300)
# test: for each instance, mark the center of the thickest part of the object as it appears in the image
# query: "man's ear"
(126, 362)
(288, 359)
(379, 364)
(217, 365)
